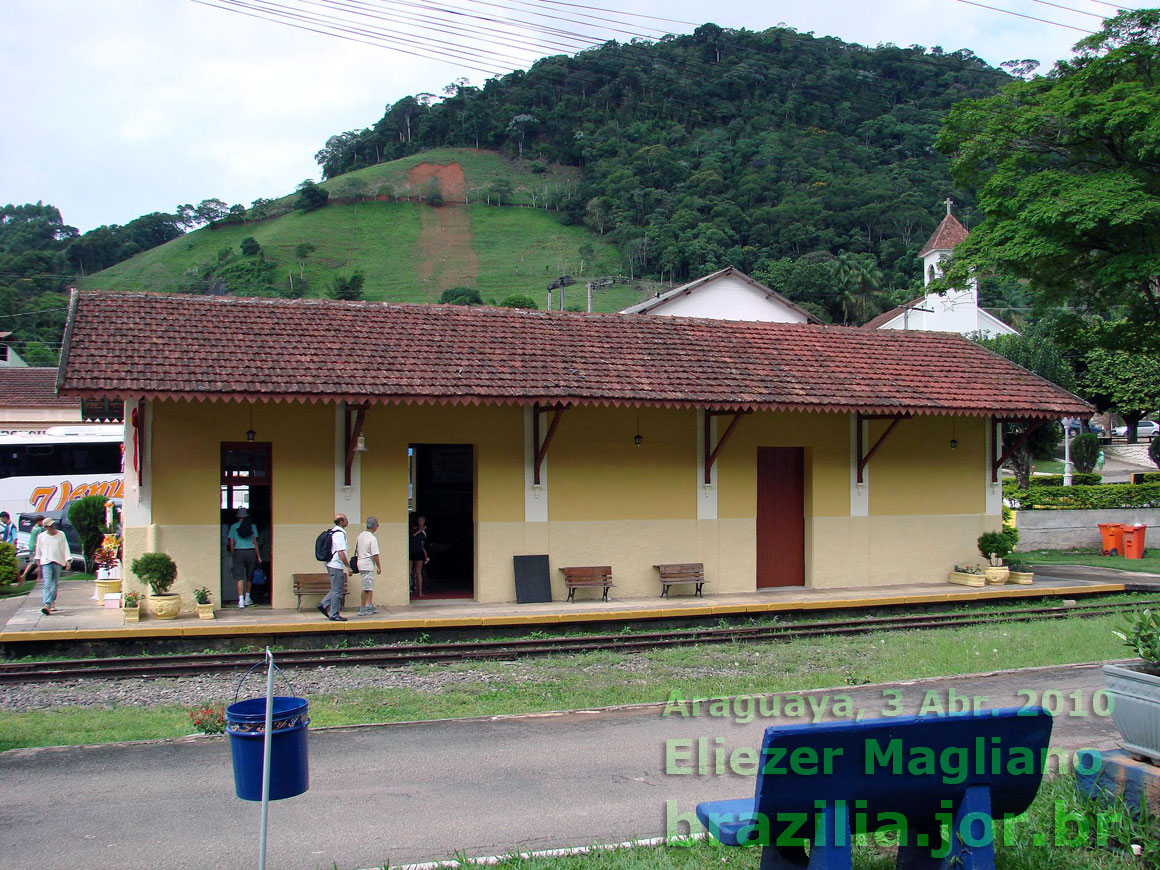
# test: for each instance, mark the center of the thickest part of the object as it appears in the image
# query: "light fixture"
(954, 440)
(250, 433)
(637, 439)
(360, 446)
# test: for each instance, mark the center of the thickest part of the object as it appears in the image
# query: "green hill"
(409, 251)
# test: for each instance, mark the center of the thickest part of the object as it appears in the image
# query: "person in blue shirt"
(8, 533)
(243, 546)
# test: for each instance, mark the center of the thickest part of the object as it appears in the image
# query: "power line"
(1069, 9)
(1028, 17)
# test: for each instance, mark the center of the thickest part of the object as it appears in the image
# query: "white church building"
(727, 294)
(953, 311)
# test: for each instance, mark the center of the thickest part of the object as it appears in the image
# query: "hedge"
(1010, 484)
(1111, 495)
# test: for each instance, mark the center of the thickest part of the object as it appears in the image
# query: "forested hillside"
(721, 147)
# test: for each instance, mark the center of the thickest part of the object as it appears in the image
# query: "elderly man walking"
(366, 557)
(337, 567)
(53, 555)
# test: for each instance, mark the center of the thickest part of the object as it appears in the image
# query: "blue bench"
(822, 783)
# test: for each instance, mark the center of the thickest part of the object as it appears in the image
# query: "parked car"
(1075, 426)
(1144, 429)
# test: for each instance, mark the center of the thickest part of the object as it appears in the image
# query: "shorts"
(244, 561)
(368, 580)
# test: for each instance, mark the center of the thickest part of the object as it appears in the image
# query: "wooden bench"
(682, 572)
(913, 773)
(592, 575)
(310, 584)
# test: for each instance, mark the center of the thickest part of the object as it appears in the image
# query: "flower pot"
(962, 578)
(996, 575)
(205, 611)
(1135, 695)
(165, 606)
(107, 587)
(133, 614)
(1021, 578)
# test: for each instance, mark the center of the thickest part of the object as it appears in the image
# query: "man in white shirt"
(53, 555)
(337, 568)
(366, 556)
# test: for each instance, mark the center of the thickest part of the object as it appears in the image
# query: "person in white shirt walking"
(337, 567)
(53, 555)
(366, 558)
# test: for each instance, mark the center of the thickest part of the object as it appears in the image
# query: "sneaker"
(249, 600)
(241, 603)
(371, 611)
(338, 618)
(362, 611)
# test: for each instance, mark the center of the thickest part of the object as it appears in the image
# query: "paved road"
(414, 792)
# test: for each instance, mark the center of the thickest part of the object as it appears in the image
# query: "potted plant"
(131, 603)
(967, 575)
(1134, 687)
(108, 577)
(994, 546)
(158, 571)
(1021, 573)
(204, 604)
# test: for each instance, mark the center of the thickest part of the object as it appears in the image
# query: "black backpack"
(324, 546)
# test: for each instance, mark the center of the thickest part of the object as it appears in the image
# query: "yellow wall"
(596, 471)
(915, 472)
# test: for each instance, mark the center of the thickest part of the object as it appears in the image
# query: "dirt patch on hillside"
(444, 255)
(452, 183)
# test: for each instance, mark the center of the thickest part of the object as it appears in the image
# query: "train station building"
(778, 455)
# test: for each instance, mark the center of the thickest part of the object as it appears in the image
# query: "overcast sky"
(116, 108)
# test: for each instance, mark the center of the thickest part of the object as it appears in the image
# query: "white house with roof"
(727, 294)
(953, 311)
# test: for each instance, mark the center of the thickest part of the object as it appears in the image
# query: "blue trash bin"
(289, 765)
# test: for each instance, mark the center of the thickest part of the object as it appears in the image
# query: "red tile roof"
(154, 345)
(27, 387)
(948, 234)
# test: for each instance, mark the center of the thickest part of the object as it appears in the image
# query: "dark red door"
(781, 521)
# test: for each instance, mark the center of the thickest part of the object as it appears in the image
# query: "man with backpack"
(337, 567)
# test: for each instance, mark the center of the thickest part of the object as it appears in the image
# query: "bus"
(44, 472)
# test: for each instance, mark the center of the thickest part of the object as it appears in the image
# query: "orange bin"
(1113, 538)
(1134, 541)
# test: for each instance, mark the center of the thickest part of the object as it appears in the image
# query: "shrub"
(209, 719)
(1085, 452)
(1154, 450)
(87, 516)
(250, 246)
(155, 570)
(8, 572)
(1109, 495)
(310, 196)
(994, 546)
(350, 289)
(460, 296)
(1142, 636)
(517, 301)
(1011, 485)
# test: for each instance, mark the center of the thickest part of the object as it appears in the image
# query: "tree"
(1126, 382)
(1085, 453)
(249, 246)
(519, 127)
(210, 211)
(461, 296)
(87, 516)
(349, 289)
(301, 252)
(310, 196)
(517, 301)
(1067, 171)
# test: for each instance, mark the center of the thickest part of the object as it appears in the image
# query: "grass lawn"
(1150, 563)
(608, 678)
(20, 588)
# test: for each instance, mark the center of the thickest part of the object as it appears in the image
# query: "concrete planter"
(165, 606)
(205, 611)
(962, 578)
(1135, 694)
(133, 614)
(1021, 578)
(996, 575)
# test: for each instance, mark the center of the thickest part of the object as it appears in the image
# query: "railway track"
(512, 648)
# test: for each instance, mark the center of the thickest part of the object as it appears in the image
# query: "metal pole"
(266, 745)
(1066, 453)
(589, 297)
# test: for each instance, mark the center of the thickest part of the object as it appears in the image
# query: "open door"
(781, 521)
(247, 482)
(443, 491)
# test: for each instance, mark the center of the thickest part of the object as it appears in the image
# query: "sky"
(117, 108)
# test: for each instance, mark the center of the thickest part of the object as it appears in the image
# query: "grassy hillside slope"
(409, 252)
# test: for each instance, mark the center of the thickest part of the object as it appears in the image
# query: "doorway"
(246, 482)
(781, 523)
(443, 491)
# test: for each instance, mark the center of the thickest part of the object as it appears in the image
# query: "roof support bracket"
(864, 458)
(354, 415)
(1033, 426)
(542, 449)
(711, 454)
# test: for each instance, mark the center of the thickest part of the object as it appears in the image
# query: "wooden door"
(781, 521)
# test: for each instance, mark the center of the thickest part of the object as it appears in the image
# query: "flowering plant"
(968, 569)
(131, 599)
(209, 720)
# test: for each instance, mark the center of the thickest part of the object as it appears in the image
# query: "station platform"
(79, 618)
